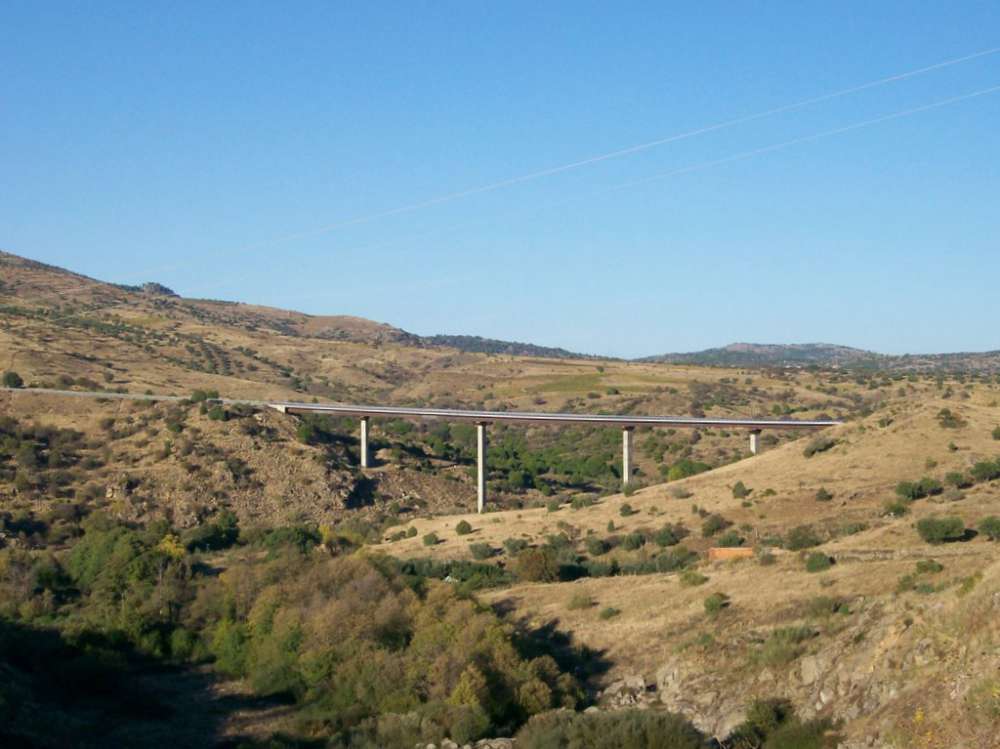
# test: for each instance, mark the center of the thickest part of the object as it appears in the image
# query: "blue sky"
(206, 146)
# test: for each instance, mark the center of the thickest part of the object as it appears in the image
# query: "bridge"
(483, 419)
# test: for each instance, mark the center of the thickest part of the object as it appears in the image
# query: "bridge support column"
(481, 467)
(365, 451)
(754, 441)
(627, 454)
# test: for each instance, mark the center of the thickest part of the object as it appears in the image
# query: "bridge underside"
(627, 423)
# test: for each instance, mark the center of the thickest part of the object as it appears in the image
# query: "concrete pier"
(754, 441)
(365, 451)
(481, 466)
(627, 454)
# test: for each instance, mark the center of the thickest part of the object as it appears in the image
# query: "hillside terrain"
(255, 587)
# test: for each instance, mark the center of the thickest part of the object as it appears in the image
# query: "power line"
(718, 162)
(490, 187)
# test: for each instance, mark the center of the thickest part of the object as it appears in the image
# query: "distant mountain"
(478, 345)
(778, 355)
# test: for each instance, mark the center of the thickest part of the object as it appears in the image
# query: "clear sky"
(208, 145)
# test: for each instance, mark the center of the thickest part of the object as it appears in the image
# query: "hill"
(826, 355)
(195, 546)
(776, 355)
(478, 345)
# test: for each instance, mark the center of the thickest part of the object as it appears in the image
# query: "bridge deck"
(522, 417)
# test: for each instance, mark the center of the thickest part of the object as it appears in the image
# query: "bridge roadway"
(626, 422)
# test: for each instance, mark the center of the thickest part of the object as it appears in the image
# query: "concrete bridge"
(482, 419)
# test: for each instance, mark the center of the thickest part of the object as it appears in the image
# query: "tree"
(12, 380)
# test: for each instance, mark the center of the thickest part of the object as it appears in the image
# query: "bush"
(595, 546)
(481, 550)
(537, 565)
(956, 479)
(609, 612)
(668, 535)
(715, 603)
(580, 601)
(802, 537)
(431, 539)
(463, 528)
(552, 505)
(625, 510)
(910, 490)
(729, 539)
(817, 561)
(411, 532)
(818, 445)
(713, 524)
(12, 380)
(822, 495)
(581, 502)
(515, 546)
(692, 579)
(782, 646)
(986, 470)
(938, 530)
(633, 541)
(897, 508)
(619, 729)
(990, 527)
(996, 433)
(740, 490)
(929, 567)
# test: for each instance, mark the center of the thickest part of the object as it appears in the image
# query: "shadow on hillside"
(92, 692)
(534, 641)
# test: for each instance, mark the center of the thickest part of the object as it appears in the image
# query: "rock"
(448, 744)
(809, 669)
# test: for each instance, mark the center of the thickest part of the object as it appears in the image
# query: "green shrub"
(817, 561)
(217, 413)
(515, 546)
(481, 550)
(668, 535)
(783, 645)
(897, 508)
(625, 510)
(715, 603)
(411, 532)
(537, 565)
(633, 541)
(740, 490)
(990, 527)
(802, 537)
(996, 433)
(986, 470)
(552, 505)
(596, 546)
(619, 729)
(929, 567)
(580, 601)
(581, 502)
(692, 578)
(431, 539)
(713, 524)
(729, 539)
(938, 530)
(910, 490)
(956, 479)
(818, 445)
(12, 380)
(463, 528)
(824, 606)
(822, 495)
(609, 612)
